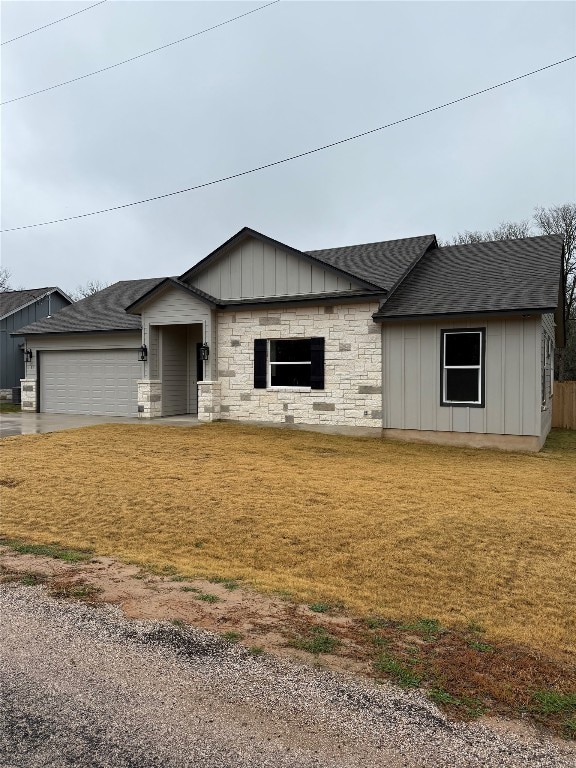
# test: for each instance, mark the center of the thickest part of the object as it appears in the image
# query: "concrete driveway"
(35, 423)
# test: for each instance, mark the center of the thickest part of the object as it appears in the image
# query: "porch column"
(149, 398)
(208, 401)
(28, 388)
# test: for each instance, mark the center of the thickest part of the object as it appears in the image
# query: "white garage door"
(96, 381)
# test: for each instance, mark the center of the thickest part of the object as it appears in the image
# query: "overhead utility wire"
(13, 39)
(293, 157)
(139, 56)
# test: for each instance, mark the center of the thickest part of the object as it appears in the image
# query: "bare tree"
(561, 220)
(556, 220)
(83, 291)
(4, 280)
(506, 230)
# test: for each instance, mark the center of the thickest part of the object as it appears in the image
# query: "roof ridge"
(375, 242)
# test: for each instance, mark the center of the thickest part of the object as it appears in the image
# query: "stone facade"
(149, 398)
(209, 401)
(28, 389)
(352, 394)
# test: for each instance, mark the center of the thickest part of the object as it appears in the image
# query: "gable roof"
(246, 233)
(500, 276)
(13, 301)
(382, 264)
(171, 282)
(102, 311)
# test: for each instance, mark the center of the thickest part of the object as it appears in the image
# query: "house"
(18, 309)
(446, 344)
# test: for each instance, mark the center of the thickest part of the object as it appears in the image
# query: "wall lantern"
(27, 355)
(143, 354)
(204, 351)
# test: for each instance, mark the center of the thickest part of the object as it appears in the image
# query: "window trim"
(270, 363)
(481, 369)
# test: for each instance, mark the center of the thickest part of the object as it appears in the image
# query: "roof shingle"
(12, 301)
(499, 276)
(381, 264)
(102, 311)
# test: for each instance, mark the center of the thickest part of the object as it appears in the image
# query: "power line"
(138, 56)
(13, 39)
(294, 157)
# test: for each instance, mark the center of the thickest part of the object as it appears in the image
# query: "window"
(547, 369)
(289, 363)
(462, 367)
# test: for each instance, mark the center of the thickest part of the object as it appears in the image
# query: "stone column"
(28, 394)
(149, 398)
(208, 401)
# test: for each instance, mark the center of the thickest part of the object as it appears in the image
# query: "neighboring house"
(442, 344)
(17, 309)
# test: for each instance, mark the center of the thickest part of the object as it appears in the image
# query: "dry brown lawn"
(390, 529)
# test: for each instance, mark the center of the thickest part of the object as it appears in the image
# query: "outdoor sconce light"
(27, 355)
(143, 356)
(204, 351)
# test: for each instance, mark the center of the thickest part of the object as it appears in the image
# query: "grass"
(388, 529)
(402, 674)
(7, 407)
(317, 640)
(427, 628)
(69, 555)
(229, 584)
(206, 598)
(556, 708)
(323, 607)
(75, 590)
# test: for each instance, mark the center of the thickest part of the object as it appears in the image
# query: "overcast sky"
(289, 78)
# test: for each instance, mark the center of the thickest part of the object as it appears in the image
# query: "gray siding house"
(451, 344)
(19, 309)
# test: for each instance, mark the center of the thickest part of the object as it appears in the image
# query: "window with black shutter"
(260, 363)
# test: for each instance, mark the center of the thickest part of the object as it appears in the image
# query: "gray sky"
(281, 81)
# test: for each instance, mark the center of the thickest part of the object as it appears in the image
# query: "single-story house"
(18, 309)
(451, 344)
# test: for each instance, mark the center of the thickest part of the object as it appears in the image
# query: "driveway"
(35, 423)
(85, 687)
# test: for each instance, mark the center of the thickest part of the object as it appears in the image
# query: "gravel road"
(83, 686)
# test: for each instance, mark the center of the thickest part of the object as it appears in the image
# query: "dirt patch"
(464, 672)
(260, 622)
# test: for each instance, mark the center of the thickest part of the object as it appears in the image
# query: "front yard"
(387, 529)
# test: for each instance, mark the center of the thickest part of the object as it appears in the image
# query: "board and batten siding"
(174, 370)
(174, 307)
(11, 357)
(256, 269)
(411, 378)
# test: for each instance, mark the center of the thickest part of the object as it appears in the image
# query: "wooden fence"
(564, 405)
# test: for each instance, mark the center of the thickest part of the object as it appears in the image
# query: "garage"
(98, 382)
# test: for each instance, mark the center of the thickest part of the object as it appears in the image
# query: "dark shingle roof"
(12, 301)
(381, 264)
(500, 276)
(103, 311)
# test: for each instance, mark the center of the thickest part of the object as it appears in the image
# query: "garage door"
(97, 382)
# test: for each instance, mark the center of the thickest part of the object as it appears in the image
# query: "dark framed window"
(462, 376)
(289, 363)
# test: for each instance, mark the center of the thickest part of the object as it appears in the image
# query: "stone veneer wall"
(28, 389)
(209, 400)
(352, 394)
(149, 398)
